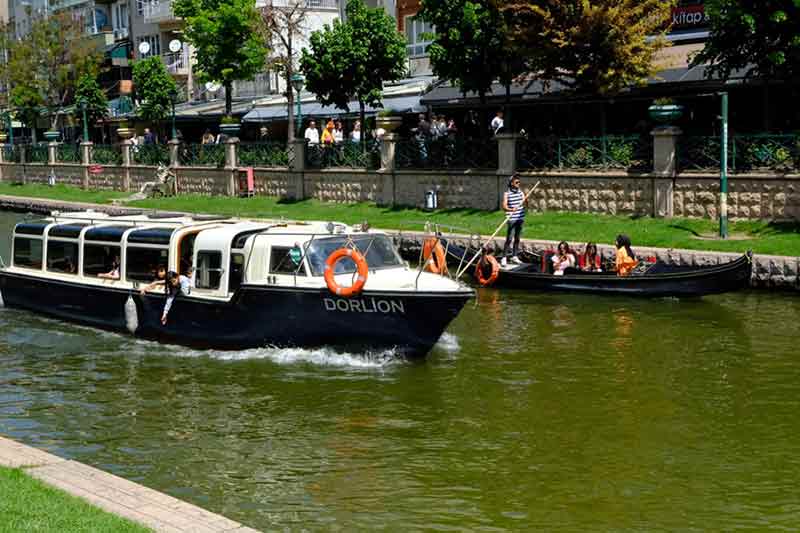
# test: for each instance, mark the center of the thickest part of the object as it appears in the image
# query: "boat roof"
(156, 228)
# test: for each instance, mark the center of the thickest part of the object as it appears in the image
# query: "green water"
(535, 412)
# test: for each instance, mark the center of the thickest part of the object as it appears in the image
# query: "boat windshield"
(377, 249)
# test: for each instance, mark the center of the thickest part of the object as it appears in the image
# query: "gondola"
(649, 279)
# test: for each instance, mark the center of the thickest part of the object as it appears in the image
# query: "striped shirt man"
(514, 206)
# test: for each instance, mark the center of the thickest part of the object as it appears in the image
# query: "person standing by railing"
(311, 133)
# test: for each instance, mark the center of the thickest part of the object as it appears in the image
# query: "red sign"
(689, 17)
(95, 169)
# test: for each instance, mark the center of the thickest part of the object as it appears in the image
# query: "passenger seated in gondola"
(589, 261)
(563, 259)
(626, 259)
(175, 284)
(114, 272)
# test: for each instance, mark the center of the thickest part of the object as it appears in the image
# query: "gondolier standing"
(514, 204)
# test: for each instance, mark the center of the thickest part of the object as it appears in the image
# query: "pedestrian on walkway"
(514, 204)
(312, 134)
(497, 123)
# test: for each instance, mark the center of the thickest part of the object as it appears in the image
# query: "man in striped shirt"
(514, 204)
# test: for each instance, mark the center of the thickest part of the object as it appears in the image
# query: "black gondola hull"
(256, 316)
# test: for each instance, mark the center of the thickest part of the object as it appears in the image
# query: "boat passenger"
(589, 261)
(161, 274)
(114, 272)
(626, 259)
(563, 259)
(175, 284)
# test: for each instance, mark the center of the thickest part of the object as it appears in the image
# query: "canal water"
(534, 412)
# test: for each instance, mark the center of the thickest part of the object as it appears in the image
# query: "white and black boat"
(254, 283)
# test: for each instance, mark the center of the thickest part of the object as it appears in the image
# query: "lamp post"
(82, 107)
(7, 116)
(723, 168)
(297, 82)
(173, 95)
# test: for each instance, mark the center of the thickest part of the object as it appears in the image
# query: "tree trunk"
(363, 126)
(290, 89)
(228, 97)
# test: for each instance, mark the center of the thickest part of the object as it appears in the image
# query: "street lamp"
(173, 95)
(297, 82)
(7, 116)
(82, 107)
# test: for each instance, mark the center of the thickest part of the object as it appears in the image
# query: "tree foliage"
(352, 60)
(471, 46)
(226, 38)
(154, 88)
(90, 92)
(760, 37)
(593, 45)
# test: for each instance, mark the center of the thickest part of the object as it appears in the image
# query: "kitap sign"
(689, 17)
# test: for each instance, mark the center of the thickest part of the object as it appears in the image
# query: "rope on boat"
(131, 315)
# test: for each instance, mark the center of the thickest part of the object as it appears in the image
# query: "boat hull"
(256, 316)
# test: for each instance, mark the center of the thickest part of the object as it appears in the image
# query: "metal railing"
(12, 153)
(36, 153)
(745, 153)
(106, 154)
(310, 4)
(150, 154)
(625, 152)
(68, 153)
(156, 11)
(446, 152)
(202, 155)
(264, 154)
(343, 155)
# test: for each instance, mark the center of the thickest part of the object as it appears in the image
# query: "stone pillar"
(86, 159)
(52, 147)
(231, 165)
(665, 158)
(174, 146)
(388, 148)
(506, 153)
(125, 148)
(296, 188)
(23, 154)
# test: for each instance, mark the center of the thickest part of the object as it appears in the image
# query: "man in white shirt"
(312, 134)
(497, 123)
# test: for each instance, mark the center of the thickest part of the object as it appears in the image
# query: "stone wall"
(270, 182)
(454, 190)
(749, 196)
(206, 181)
(344, 186)
(606, 193)
(65, 174)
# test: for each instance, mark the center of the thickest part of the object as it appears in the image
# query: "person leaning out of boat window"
(114, 272)
(563, 259)
(626, 259)
(589, 260)
(176, 284)
(514, 204)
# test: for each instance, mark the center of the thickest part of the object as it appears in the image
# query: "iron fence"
(265, 154)
(202, 155)
(150, 154)
(700, 153)
(624, 152)
(106, 154)
(343, 155)
(745, 153)
(12, 153)
(36, 153)
(446, 152)
(68, 153)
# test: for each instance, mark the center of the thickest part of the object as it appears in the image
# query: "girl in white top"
(563, 259)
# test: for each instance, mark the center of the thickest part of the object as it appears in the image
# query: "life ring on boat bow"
(490, 261)
(361, 268)
(433, 255)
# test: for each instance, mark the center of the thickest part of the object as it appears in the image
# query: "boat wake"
(448, 342)
(315, 356)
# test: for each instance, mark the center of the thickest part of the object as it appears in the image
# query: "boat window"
(70, 231)
(151, 236)
(100, 259)
(236, 275)
(62, 257)
(209, 270)
(28, 252)
(141, 264)
(105, 233)
(378, 249)
(31, 228)
(285, 260)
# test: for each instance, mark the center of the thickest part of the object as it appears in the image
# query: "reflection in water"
(550, 412)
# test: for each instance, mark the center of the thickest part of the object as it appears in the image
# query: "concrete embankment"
(769, 271)
(114, 494)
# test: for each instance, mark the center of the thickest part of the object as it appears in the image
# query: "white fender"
(2, 303)
(131, 315)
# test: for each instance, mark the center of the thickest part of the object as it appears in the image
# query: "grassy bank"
(27, 504)
(60, 192)
(761, 237)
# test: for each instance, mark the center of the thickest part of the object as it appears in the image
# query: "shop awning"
(399, 104)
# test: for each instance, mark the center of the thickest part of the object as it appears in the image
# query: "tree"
(591, 45)
(351, 60)
(471, 47)
(89, 91)
(284, 25)
(154, 88)
(761, 37)
(225, 36)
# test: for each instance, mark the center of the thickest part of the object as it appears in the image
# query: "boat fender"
(131, 315)
(361, 267)
(487, 262)
(433, 255)
(2, 303)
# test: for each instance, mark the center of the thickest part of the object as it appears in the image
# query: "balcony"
(158, 12)
(177, 64)
(313, 5)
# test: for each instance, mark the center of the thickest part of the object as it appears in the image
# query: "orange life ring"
(433, 255)
(486, 281)
(361, 266)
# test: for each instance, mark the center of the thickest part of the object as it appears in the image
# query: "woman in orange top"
(626, 259)
(327, 133)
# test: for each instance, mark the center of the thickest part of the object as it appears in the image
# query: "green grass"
(760, 236)
(60, 192)
(27, 504)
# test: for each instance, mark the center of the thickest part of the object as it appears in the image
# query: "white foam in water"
(448, 342)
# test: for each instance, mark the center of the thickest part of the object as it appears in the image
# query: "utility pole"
(723, 170)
